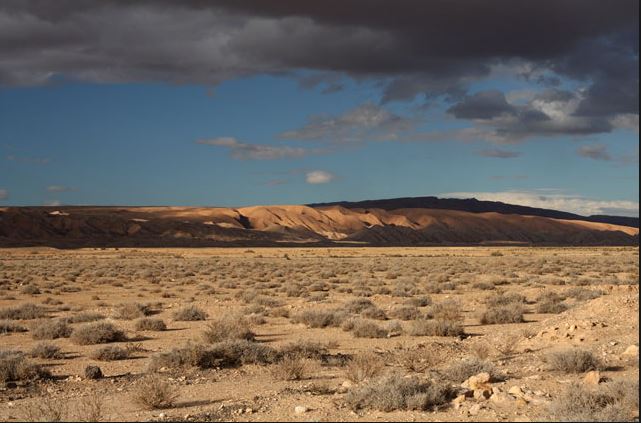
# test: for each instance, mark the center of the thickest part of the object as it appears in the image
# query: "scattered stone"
(501, 398)
(516, 392)
(479, 381)
(162, 415)
(631, 351)
(93, 372)
(482, 394)
(474, 410)
(592, 378)
(458, 401)
(300, 409)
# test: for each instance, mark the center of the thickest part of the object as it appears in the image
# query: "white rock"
(300, 409)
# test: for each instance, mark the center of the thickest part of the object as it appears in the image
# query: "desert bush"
(551, 307)
(305, 349)
(609, 402)
(152, 393)
(8, 326)
(405, 313)
(573, 360)
(50, 329)
(46, 350)
(504, 299)
(510, 313)
(90, 408)
(14, 366)
(97, 333)
(30, 289)
(449, 310)
(481, 350)
(84, 317)
(359, 305)
(374, 313)
(395, 392)
(462, 370)
(320, 318)
(484, 286)
(26, 311)
(130, 311)
(189, 314)
(228, 327)
(364, 366)
(583, 294)
(110, 353)
(435, 328)
(46, 409)
(150, 323)
(418, 359)
(290, 367)
(419, 301)
(366, 329)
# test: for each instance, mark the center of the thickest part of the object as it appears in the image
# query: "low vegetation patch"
(435, 328)
(189, 314)
(50, 329)
(149, 323)
(26, 311)
(153, 393)
(573, 360)
(97, 333)
(511, 313)
(15, 367)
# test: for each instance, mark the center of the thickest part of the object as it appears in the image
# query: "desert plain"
(319, 334)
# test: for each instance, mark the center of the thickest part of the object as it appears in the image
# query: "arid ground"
(317, 334)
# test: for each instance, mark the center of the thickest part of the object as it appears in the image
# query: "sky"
(228, 103)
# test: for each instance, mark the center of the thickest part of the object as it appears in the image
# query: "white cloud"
(552, 199)
(319, 177)
(4, 194)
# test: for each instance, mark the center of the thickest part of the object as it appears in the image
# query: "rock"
(474, 410)
(501, 398)
(93, 372)
(515, 391)
(592, 378)
(300, 409)
(482, 394)
(631, 351)
(347, 384)
(162, 415)
(249, 410)
(458, 401)
(479, 381)
(521, 402)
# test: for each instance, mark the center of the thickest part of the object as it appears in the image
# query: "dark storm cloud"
(482, 105)
(410, 48)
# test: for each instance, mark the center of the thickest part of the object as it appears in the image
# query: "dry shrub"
(462, 370)
(364, 366)
(481, 350)
(608, 402)
(359, 305)
(14, 366)
(449, 310)
(583, 294)
(130, 311)
(84, 317)
(504, 298)
(228, 327)
(110, 353)
(405, 313)
(153, 393)
(50, 329)
(551, 307)
(46, 350)
(511, 313)
(97, 333)
(90, 408)
(26, 311)
(46, 410)
(306, 349)
(320, 318)
(418, 359)
(484, 286)
(395, 392)
(419, 301)
(367, 329)
(189, 313)
(149, 323)
(291, 367)
(374, 313)
(7, 326)
(573, 360)
(435, 328)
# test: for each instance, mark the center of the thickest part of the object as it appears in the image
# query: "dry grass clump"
(153, 393)
(31, 290)
(418, 359)
(189, 313)
(110, 353)
(291, 367)
(320, 318)
(46, 350)
(583, 294)
(462, 370)
(395, 392)
(374, 313)
(419, 301)
(228, 327)
(366, 329)
(306, 349)
(150, 323)
(551, 306)
(364, 366)
(573, 360)
(405, 313)
(450, 310)
(84, 317)
(90, 409)
(608, 402)
(7, 326)
(130, 311)
(504, 298)
(46, 409)
(435, 328)
(510, 313)
(26, 311)
(50, 329)
(97, 333)
(15, 367)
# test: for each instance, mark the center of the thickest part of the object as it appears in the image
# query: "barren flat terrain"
(319, 334)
